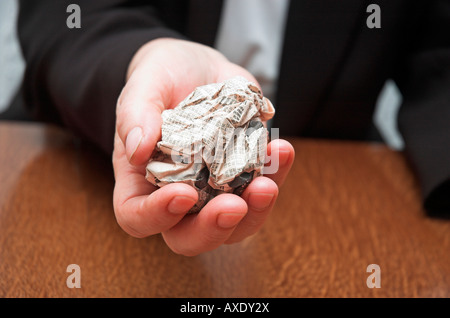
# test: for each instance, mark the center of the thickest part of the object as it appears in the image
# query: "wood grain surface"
(345, 205)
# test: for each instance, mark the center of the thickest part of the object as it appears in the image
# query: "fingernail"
(259, 201)
(180, 204)
(133, 141)
(229, 220)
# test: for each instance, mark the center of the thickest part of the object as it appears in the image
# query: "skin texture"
(161, 74)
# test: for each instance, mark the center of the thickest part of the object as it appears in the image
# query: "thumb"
(138, 116)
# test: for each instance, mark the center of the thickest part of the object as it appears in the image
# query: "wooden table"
(344, 206)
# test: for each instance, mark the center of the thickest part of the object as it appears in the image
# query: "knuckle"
(129, 229)
(182, 250)
(120, 126)
(124, 222)
(133, 232)
(122, 115)
(214, 237)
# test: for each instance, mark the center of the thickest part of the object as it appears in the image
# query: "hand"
(161, 74)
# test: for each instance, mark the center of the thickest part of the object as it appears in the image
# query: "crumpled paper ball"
(214, 140)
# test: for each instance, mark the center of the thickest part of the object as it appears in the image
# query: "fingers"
(145, 215)
(208, 229)
(225, 219)
(262, 192)
(141, 208)
(280, 154)
(260, 196)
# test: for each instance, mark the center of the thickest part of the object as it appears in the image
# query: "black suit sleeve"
(424, 117)
(74, 76)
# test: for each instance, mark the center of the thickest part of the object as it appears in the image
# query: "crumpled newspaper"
(214, 140)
